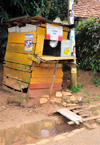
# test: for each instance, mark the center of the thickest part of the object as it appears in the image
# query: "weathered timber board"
(17, 74)
(66, 29)
(46, 76)
(70, 115)
(39, 92)
(45, 71)
(45, 85)
(26, 68)
(42, 31)
(47, 65)
(20, 37)
(18, 48)
(65, 34)
(39, 44)
(41, 35)
(44, 80)
(17, 58)
(15, 84)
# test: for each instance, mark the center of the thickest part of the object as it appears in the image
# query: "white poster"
(54, 33)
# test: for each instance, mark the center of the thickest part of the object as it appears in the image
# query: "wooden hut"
(31, 55)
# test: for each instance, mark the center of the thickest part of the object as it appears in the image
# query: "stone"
(73, 99)
(66, 93)
(45, 96)
(64, 104)
(67, 90)
(58, 100)
(76, 130)
(79, 99)
(59, 137)
(48, 124)
(2, 141)
(71, 105)
(70, 134)
(44, 141)
(45, 133)
(58, 94)
(31, 144)
(29, 138)
(59, 119)
(43, 100)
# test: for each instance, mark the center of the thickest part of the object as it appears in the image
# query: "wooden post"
(73, 77)
(53, 78)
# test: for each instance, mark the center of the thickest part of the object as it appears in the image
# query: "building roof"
(21, 21)
(87, 8)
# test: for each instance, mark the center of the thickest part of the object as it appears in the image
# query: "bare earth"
(12, 115)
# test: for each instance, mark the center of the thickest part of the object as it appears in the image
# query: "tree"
(46, 8)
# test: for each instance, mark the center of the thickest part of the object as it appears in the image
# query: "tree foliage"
(88, 44)
(48, 9)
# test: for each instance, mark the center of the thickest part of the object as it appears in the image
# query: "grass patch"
(85, 96)
(78, 88)
(86, 92)
(88, 100)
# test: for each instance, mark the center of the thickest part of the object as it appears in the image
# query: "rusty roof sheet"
(21, 21)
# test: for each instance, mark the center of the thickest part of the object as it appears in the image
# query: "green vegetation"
(98, 122)
(85, 96)
(86, 92)
(46, 8)
(96, 80)
(78, 89)
(88, 100)
(88, 44)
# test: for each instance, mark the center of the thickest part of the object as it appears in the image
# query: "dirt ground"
(12, 114)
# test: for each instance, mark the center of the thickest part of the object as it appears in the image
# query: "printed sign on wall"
(54, 32)
(28, 42)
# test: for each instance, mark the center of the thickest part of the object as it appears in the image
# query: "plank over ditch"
(70, 115)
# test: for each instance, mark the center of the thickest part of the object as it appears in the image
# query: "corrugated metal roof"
(20, 21)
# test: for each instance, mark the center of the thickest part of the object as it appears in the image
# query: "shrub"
(88, 44)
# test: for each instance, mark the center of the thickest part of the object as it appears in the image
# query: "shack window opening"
(52, 49)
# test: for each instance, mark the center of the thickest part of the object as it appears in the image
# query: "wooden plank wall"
(42, 76)
(17, 66)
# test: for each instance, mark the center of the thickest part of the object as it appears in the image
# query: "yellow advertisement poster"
(73, 70)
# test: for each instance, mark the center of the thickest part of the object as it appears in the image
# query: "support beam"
(73, 77)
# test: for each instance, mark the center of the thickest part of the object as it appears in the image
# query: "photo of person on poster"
(73, 54)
